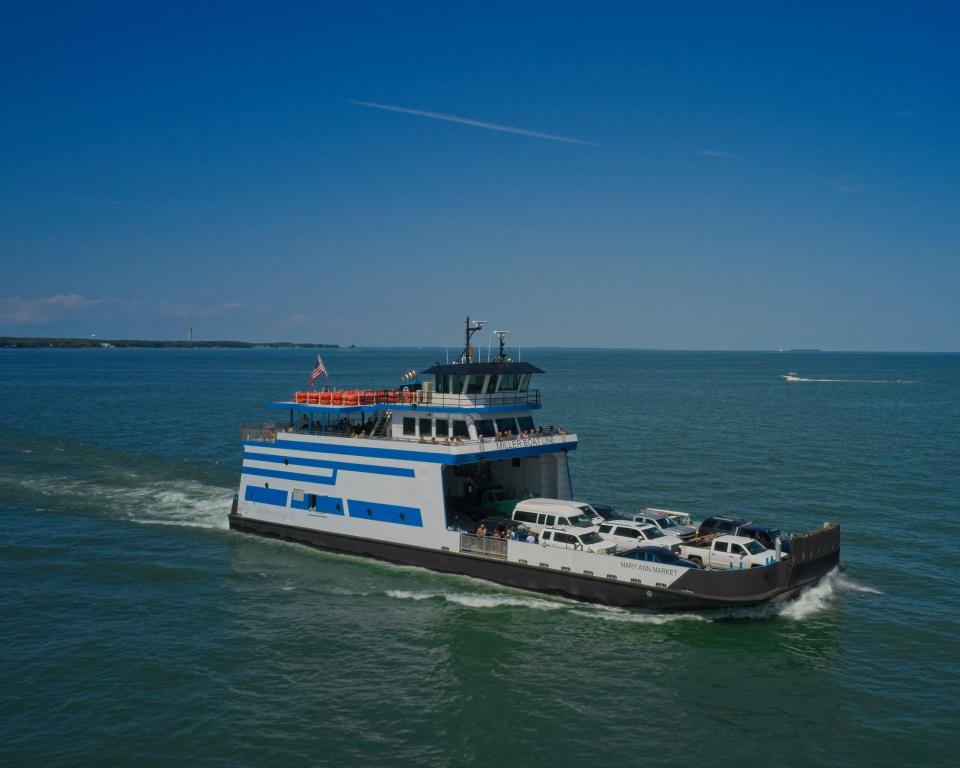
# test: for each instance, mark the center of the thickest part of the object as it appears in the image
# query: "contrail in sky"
(474, 123)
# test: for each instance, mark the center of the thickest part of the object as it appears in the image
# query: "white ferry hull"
(694, 589)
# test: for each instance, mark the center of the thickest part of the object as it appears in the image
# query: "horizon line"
(335, 346)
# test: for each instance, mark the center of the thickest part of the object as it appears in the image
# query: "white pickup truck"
(721, 553)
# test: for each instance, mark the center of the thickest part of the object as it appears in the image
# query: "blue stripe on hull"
(369, 469)
(332, 480)
(272, 496)
(384, 513)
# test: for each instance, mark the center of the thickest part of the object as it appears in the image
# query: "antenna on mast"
(472, 328)
(502, 356)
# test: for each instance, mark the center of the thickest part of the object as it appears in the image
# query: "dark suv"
(606, 511)
(765, 535)
(719, 524)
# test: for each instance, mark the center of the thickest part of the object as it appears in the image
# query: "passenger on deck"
(304, 423)
(531, 539)
(482, 530)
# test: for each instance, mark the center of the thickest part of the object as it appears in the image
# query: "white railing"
(267, 433)
(487, 546)
(263, 433)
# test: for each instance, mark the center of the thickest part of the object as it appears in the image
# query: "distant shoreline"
(40, 342)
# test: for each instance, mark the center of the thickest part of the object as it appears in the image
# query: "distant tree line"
(30, 342)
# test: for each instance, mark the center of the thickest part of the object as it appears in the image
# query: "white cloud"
(44, 309)
(192, 310)
(16, 310)
(475, 123)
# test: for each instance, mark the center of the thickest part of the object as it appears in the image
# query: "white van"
(537, 514)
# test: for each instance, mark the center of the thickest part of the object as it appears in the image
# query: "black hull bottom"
(693, 590)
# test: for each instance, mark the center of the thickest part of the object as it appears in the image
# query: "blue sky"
(701, 176)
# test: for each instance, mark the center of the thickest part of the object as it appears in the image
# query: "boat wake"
(800, 379)
(184, 503)
(57, 475)
(811, 602)
(480, 601)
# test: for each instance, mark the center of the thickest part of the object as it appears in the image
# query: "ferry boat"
(399, 474)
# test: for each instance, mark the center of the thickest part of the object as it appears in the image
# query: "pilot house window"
(460, 429)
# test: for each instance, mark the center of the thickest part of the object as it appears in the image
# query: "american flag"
(318, 371)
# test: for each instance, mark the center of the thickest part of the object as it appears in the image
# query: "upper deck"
(485, 404)
(478, 387)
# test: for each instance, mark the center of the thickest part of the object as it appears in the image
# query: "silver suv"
(668, 525)
(627, 534)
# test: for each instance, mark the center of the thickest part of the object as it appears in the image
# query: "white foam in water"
(849, 585)
(184, 503)
(479, 601)
(609, 613)
(402, 594)
(854, 381)
(811, 601)
(500, 601)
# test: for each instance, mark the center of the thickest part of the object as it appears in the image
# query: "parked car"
(667, 524)
(499, 501)
(627, 534)
(607, 512)
(657, 555)
(682, 518)
(576, 538)
(765, 535)
(728, 552)
(538, 514)
(721, 524)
